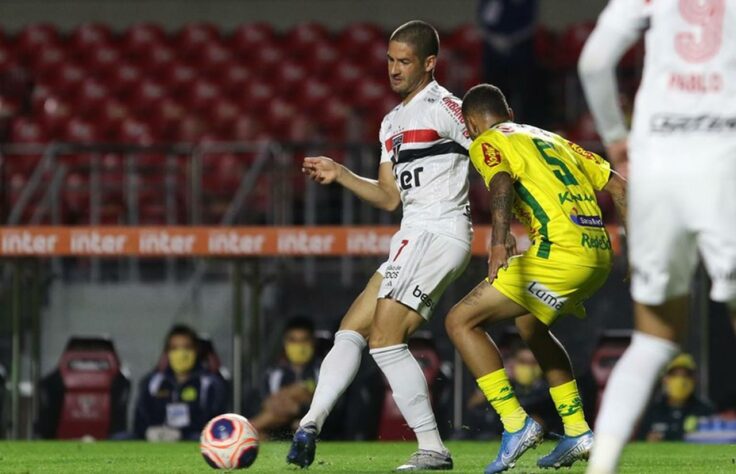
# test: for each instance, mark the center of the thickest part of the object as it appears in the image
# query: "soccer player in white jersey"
(682, 180)
(424, 166)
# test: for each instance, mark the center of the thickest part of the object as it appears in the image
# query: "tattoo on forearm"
(502, 199)
(619, 201)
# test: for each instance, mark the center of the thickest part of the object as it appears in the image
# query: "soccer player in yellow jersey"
(549, 183)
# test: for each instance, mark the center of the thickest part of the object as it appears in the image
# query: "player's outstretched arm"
(381, 193)
(502, 198)
(616, 187)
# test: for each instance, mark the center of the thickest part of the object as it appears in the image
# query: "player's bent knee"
(457, 322)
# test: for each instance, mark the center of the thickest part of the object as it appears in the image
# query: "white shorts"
(419, 268)
(676, 211)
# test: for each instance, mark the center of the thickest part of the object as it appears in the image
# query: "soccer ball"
(229, 441)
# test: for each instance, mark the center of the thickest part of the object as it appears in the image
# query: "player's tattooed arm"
(616, 187)
(502, 199)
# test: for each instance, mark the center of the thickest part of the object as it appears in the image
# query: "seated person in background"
(176, 402)
(531, 389)
(289, 385)
(675, 411)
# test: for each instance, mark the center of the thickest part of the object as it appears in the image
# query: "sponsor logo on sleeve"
(491, 155)
(453, 106)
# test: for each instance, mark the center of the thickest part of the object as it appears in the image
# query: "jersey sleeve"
(385, 141)
(488, 159)
(450, 123)
(597, 170)
(619, 26)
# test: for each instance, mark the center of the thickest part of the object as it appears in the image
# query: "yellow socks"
(568, 404)
(497, 389)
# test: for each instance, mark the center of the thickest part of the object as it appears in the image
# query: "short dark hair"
(181, 330)
(300, 322)
(485, 99)
(422, 36)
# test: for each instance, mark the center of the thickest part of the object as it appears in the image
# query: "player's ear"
(430, 63)
(511, 114)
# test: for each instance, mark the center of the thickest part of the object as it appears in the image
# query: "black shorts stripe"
(406, 156)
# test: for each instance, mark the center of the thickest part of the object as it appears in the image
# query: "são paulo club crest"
(396, 142)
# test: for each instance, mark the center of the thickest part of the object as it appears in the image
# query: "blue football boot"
(513, 445)
(567, 451)
(303, 446)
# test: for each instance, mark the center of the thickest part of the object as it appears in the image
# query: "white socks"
(336, 373)
(627, 394)
(410, 392)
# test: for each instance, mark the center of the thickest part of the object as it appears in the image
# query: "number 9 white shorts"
(675, 212)
(420, 266)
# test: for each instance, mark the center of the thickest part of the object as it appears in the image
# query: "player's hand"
(618, 155)
(511, 245)
(497, 259)
(321, 169)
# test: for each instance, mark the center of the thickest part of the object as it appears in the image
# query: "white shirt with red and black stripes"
(427, 143)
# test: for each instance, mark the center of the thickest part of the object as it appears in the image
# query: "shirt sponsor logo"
(597, 242)
(491, 156)
(567, 196)
(587, 221)
(546, 296)
(666, 123)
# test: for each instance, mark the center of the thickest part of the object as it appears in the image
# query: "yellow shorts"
(549, 288)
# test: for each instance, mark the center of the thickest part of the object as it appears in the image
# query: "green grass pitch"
(138, 457)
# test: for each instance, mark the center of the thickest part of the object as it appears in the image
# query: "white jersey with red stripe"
(427, 143)
(688, 89)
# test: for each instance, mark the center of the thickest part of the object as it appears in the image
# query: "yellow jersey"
(555, 182)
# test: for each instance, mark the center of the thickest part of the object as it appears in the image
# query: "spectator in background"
(675, 411)
(289, 385)
(508, 28)
(176, 400)
(531, 389)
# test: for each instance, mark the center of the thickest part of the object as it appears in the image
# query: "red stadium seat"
(466, 42)
(46, 63)
(26, 130)
(545, 46)
(279, 113)
(68, 79)
(156, 59)
(102, 61)
(193, 38)
(81, 131)
(255, 95)
(248, 38)
(233, 79)
(213, 60)
(320, 59)
(222, 116)
(267, 58)
(146, 97)
(334, 116)
(35, 37)
(135, 132)
(124, 79)
(190, 129)
(571, 44)
(92, 97)
(287, 76)
(301, 128)
(76, 194)
(141, 37)
(247, 127)
(201, 95)
(109, 117)
(311, 94)
(164, 121)
(53, 115)
(345, 77)
(356, 38)
(93, 392)
(178, 79)
(90, 36)
(303, 37)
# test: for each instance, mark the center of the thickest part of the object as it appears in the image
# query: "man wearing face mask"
(177, 400)
(289, 385)
(675, 412)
